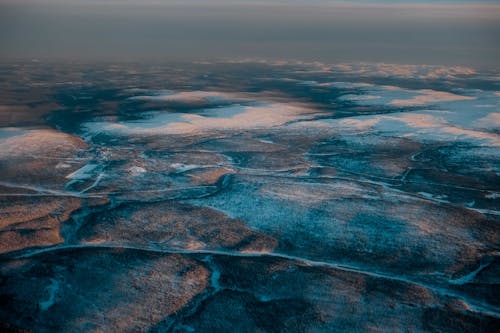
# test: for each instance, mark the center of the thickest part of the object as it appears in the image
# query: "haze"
(418, 32)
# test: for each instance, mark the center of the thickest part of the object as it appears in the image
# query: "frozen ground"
(249, 196)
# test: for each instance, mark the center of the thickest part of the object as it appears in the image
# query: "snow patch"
(494, 195)
(84, 172)
(136, 170)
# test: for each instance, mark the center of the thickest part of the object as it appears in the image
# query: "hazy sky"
(430, 32)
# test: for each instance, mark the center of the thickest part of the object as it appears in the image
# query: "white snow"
(84, 172)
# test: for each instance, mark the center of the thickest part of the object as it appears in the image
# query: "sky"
(410, 32)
